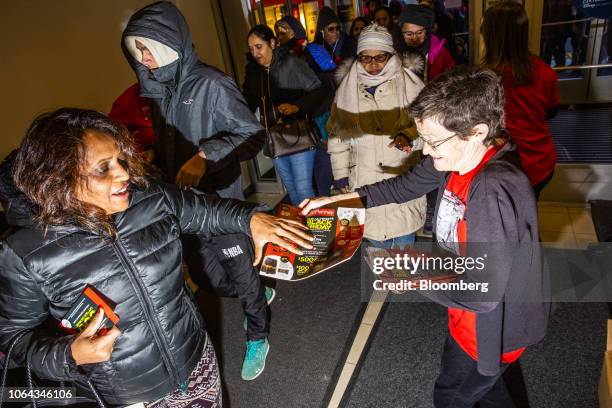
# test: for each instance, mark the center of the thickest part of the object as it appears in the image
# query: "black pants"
(223, 265)
(460, 385)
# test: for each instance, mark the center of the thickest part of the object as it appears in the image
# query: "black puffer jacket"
(289, 80)
(162, 332)
(193, 105)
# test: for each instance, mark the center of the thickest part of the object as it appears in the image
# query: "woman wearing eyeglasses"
(368, 119)
(485, 203)
(330, 34)
(416, 23)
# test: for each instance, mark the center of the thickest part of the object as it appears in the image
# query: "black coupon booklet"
(84, 310)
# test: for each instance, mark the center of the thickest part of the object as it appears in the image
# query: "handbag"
(31, 384)
(286, 138)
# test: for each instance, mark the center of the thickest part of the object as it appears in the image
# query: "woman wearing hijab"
(368, 128)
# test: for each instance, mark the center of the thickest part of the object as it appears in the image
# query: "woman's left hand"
(288, 109)
(280, 231)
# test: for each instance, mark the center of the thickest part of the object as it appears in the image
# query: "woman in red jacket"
(530, 87)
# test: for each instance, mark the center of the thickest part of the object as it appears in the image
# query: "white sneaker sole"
(264, 365)
(272, 298)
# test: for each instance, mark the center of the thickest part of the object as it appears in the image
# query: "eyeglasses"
(411, 34)
(368, 59)
(434, 145)
(332, 29)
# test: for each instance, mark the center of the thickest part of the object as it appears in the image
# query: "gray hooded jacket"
(194, 106)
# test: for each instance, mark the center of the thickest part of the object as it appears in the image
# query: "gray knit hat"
(375, 37)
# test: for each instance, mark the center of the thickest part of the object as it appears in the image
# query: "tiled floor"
(562, 225)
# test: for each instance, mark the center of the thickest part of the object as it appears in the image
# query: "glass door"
(577, 47)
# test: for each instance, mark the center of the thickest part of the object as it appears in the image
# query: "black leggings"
(460, 385)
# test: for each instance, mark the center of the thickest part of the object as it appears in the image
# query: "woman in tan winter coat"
(372, 138)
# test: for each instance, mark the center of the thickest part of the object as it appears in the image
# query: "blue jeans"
(394, 243)
(295, 172)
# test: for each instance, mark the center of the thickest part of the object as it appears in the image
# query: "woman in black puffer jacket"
(283, 86)
(84, 213)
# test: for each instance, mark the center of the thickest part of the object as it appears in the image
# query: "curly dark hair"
(49, 165)
(460, 99)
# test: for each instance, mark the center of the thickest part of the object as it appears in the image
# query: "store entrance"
(577, 46)
(455, 25)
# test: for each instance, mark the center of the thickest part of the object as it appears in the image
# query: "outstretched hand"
(310, 204)
(280, 231)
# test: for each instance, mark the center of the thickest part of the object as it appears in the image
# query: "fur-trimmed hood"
(413, 62)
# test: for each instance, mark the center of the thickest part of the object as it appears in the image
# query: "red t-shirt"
(462, 323)
(526, 107)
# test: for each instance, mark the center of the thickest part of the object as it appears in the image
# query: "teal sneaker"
(270, 295)
(255, 359)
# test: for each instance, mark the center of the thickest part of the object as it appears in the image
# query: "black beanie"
(415, 14)
(326, 17)
(298, 30)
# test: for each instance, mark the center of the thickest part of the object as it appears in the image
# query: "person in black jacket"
(292, 35)
(283, 87)
(330, 34)
(204, 129)
(485, 208)
(84, 212)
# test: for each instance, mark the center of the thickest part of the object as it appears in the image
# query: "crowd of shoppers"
(127, 202)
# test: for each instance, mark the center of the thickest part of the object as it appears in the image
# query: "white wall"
(67, 53)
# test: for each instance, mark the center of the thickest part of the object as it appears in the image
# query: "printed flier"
(337, 235)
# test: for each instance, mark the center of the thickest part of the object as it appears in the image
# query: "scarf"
(346, 104)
